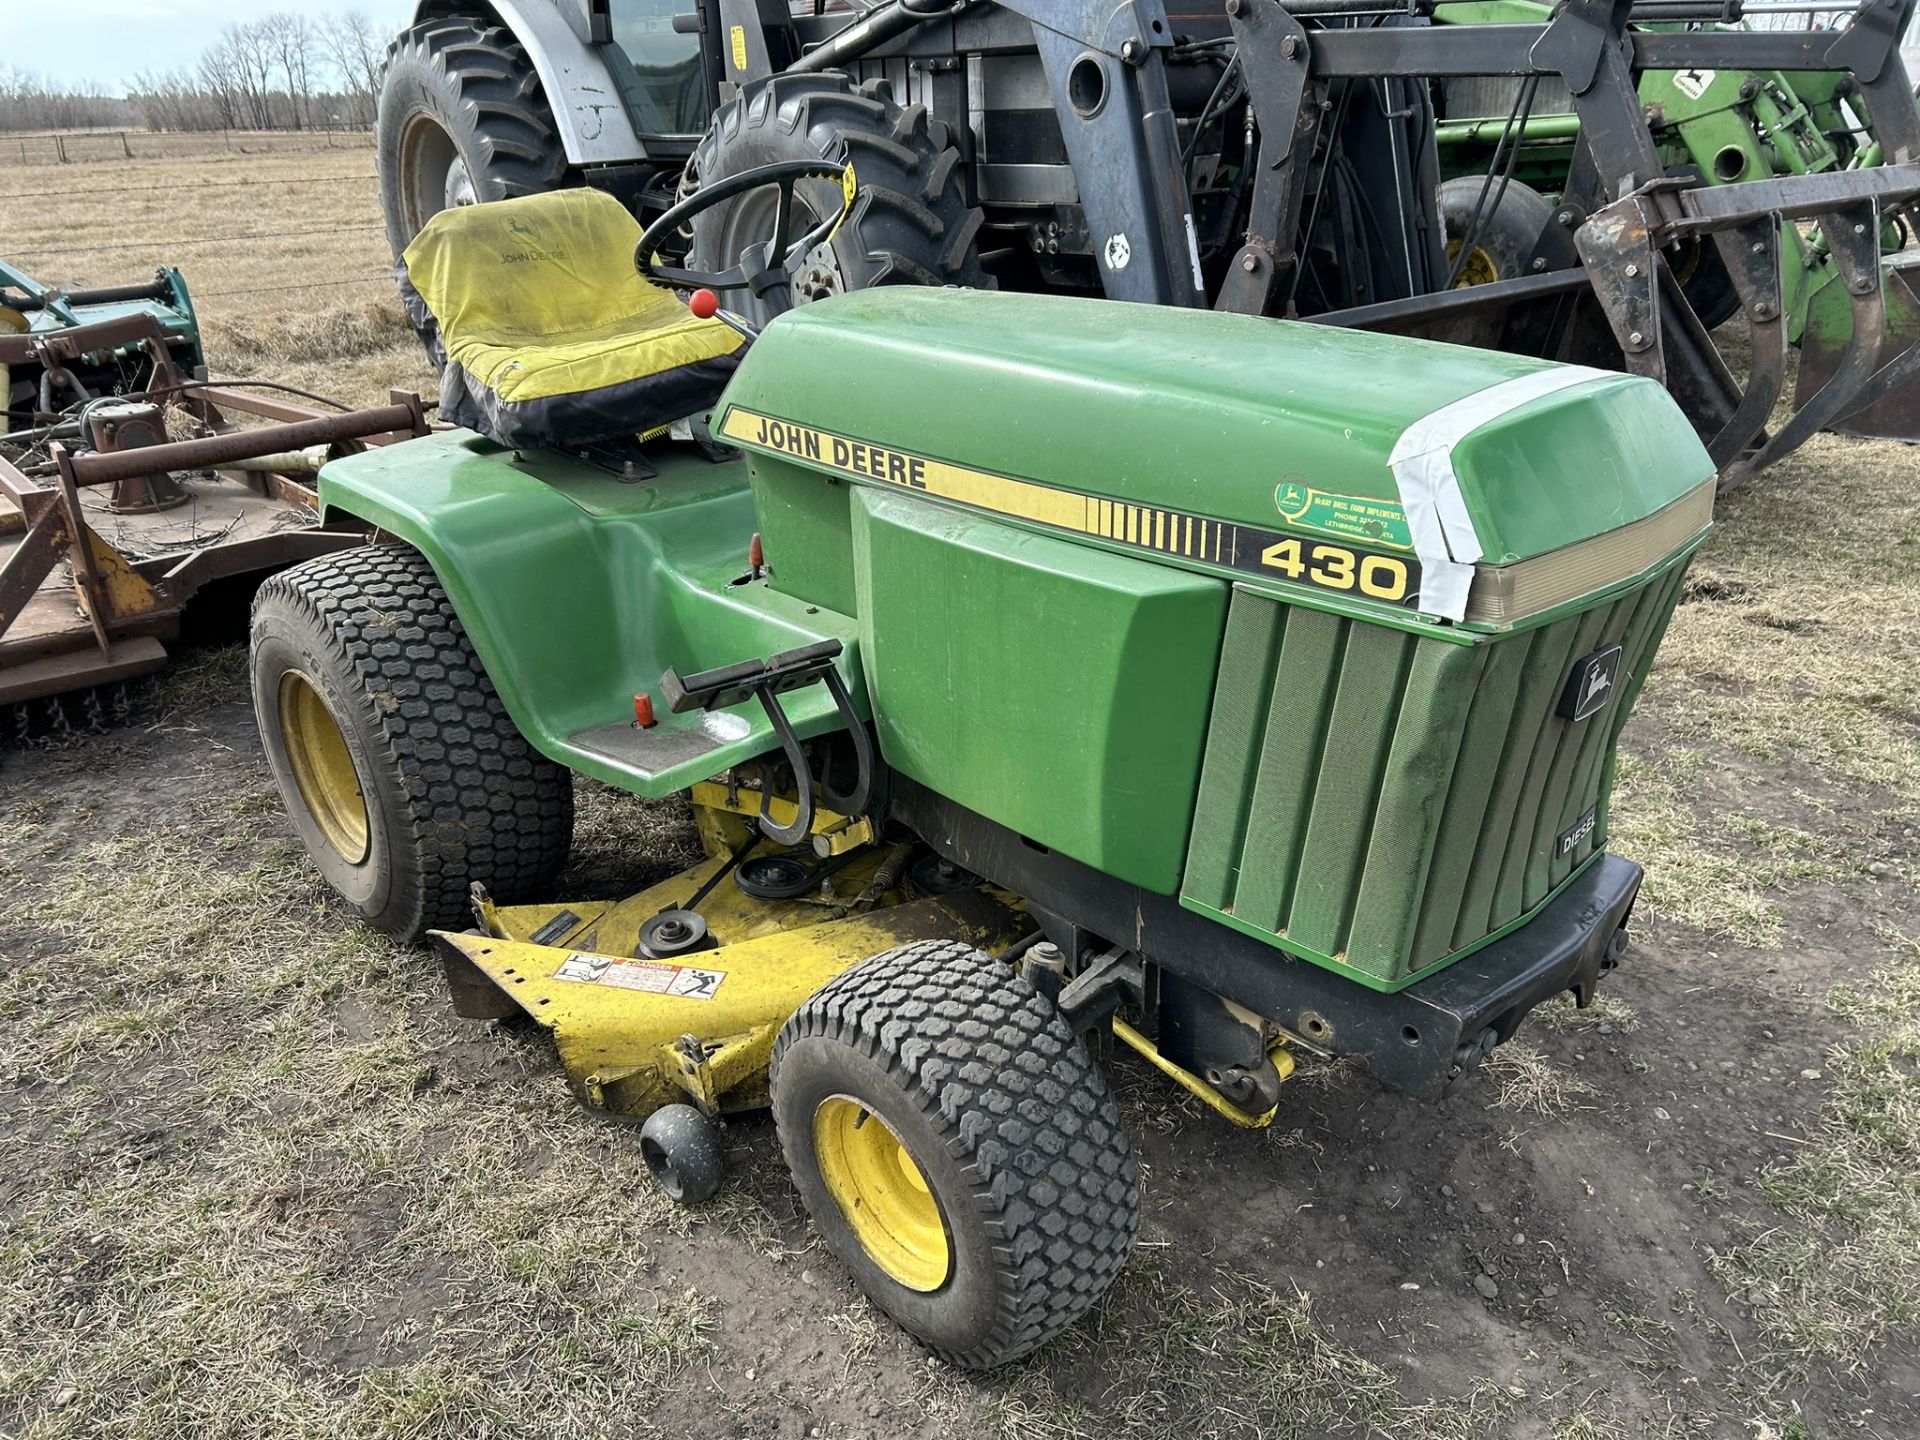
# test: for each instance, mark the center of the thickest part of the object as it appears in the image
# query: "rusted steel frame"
(1755, 272)
(32, 498)
(86, 574)
(1685, 210)
(178, 576)
(213, 451)
(267, 407)
(1853, 242)
(290, 491)
(31, 561)
(54, 348)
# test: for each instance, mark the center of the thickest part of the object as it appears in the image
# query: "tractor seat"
(547, 334)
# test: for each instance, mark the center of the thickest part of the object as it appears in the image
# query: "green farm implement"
(1720, 126)
(1226, 688)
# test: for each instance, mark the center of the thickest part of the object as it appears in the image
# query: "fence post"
(60, 148)
(126, 145)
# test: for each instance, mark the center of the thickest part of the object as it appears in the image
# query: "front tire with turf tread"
(453, 792)
(1006, 1115)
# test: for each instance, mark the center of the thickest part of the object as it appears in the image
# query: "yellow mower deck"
(635, 1034)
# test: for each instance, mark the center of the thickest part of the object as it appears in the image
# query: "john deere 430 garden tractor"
(1039, 679)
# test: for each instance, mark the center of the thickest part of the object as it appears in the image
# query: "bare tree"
(219, 80)
(249, 56)
(288, 39)
(358, 51)
(32, 102)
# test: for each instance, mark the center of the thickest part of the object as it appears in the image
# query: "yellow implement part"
(1282, 1063)
(636, 1034)
(832, 833)
(323, 767)
(731, 914)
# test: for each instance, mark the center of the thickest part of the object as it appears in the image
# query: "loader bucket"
(1894, 414)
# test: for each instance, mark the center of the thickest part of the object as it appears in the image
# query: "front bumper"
(1426, 1038)
(1419, 1040)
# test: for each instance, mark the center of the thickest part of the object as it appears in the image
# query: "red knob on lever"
(704, 304)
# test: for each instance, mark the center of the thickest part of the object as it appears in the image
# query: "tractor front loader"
(1714, 125)
(1044, 685)
(1258, 158)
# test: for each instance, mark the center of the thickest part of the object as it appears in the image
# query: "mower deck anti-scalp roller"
(1031, 712)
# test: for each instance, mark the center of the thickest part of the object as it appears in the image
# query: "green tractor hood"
(1187, 440)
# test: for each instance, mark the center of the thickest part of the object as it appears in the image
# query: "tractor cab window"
(666, 79)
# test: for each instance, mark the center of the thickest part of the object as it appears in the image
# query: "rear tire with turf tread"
(910, 223)
(474, 84)
(1007, 1117)
(453, 793)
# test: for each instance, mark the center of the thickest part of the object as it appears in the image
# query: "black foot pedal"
(768, 680)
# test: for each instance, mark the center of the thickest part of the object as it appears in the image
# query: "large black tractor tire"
(910, 223)
(1504, 240)
(958, 1149)
(397, 762)
(462, 119)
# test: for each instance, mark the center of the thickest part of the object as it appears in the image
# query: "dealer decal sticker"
(1350, 517)
(689, 982)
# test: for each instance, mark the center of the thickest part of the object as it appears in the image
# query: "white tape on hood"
(1422, 464)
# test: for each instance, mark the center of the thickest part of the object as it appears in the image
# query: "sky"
(106, 41)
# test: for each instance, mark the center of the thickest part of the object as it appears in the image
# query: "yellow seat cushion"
(547, 332)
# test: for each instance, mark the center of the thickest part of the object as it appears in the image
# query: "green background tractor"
(1239, 156)
(1029, 703)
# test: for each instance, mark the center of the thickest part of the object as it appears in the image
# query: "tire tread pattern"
(481, 803)
(490, 79)
(910, 222)
(1025, 1110)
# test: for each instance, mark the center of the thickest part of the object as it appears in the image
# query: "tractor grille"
(1379, 800)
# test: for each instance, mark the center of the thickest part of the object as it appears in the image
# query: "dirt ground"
(258, 1181)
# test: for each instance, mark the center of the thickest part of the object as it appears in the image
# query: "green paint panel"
(1058, 689)
(1211, 414)
(1360, 729)
(1400, 800)
(579, 590)
(1304, 687)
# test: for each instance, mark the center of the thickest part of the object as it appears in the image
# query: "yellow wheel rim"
(882, 1193)
(1479, 269)
(323, 766)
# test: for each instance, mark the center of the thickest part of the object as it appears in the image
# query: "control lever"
(767, 680)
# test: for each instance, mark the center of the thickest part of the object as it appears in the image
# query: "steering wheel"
(757, 269)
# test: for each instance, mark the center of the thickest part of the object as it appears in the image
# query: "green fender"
(579, 589)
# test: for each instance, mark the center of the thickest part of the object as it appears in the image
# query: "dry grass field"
(259, 1182)
(280, 239)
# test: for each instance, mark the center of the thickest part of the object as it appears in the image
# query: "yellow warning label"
(739, 38)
